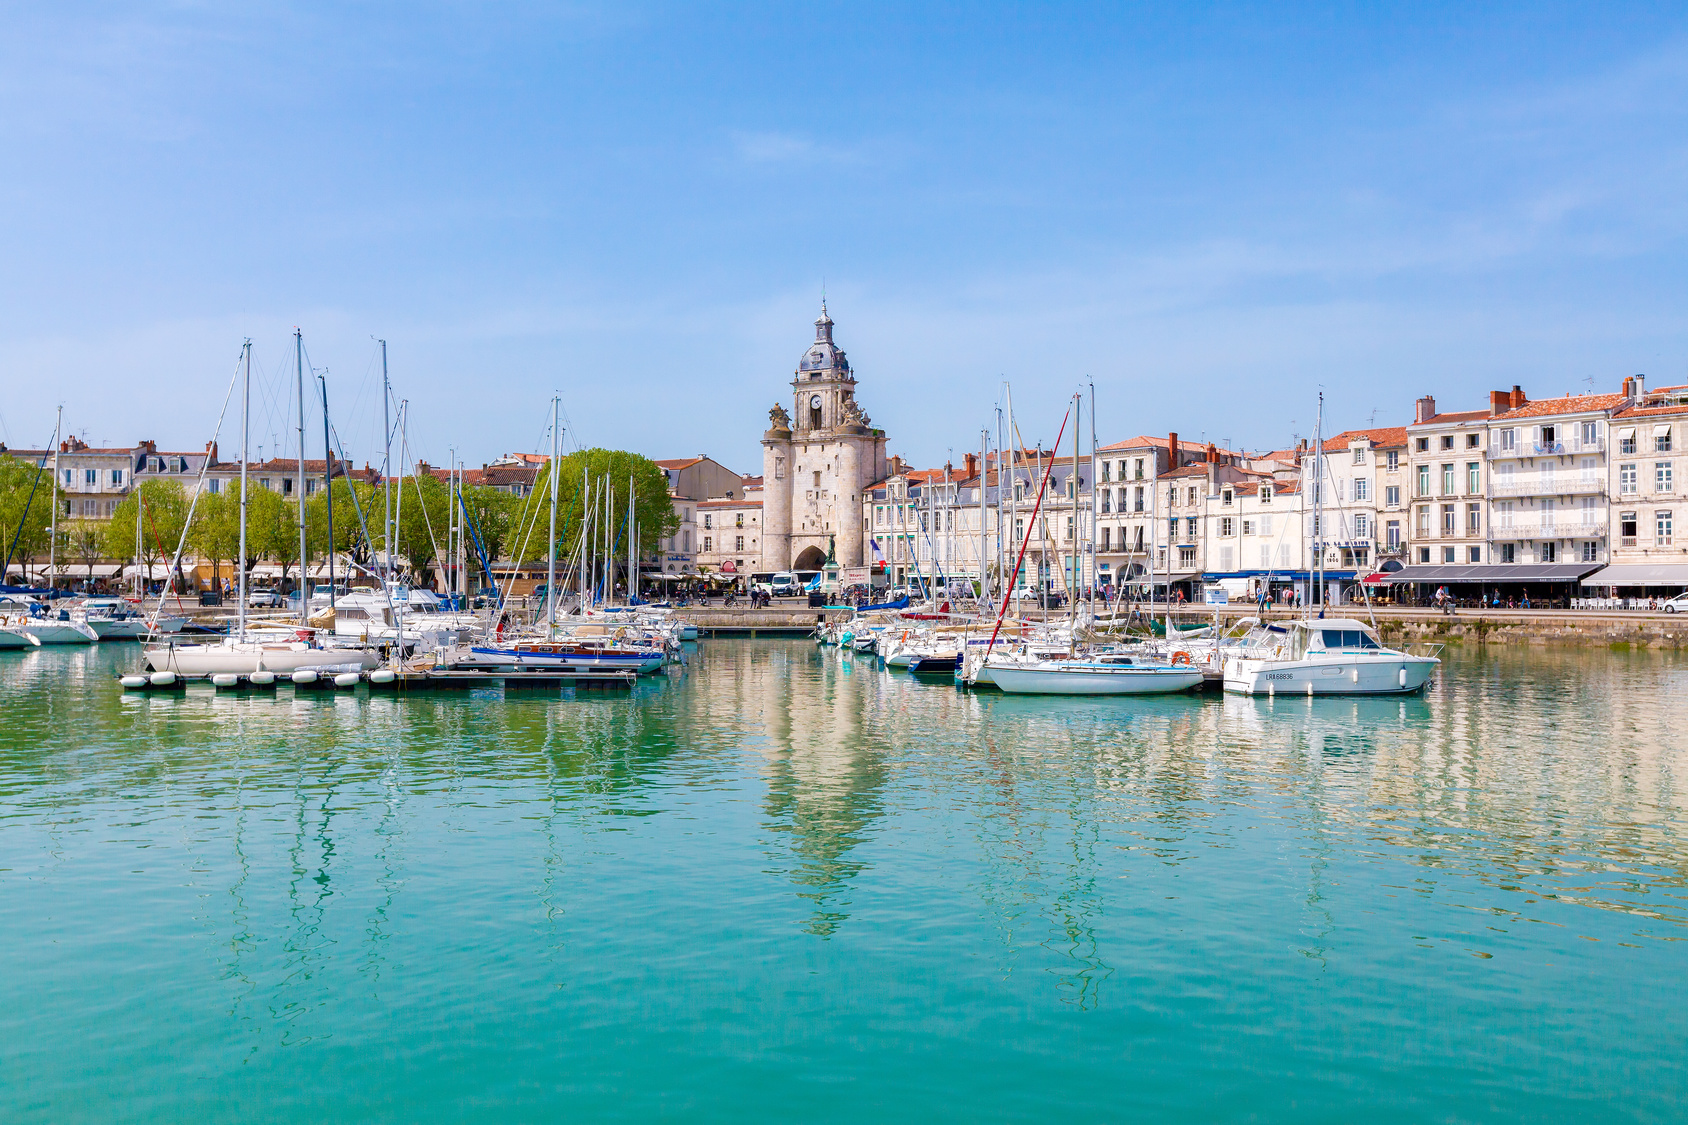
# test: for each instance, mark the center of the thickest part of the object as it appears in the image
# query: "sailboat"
(244, 654)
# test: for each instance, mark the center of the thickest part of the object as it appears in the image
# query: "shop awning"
(1639, 574)
(1281, 575)
(1493, 572)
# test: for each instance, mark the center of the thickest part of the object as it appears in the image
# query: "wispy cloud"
(773, 148)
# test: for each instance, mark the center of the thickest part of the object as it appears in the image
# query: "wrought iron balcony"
(1572, 528)
(1534, 484)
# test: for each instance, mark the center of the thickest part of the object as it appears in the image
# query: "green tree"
(424, 509)
(82, 542)
(581, 478)
(25, 520)
(348, 533)
(272, 528)
(215, 534)
(164, 508)
(495, 514)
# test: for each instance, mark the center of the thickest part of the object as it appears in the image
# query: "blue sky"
(1211, 212)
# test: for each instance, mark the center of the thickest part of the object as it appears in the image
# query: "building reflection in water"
(1531, 775)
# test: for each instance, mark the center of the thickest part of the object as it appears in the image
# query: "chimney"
(1628, 388)
(972, 460)
(1172, 450)
(1424, 409)
(1499, 403)
(1640, 388)
(896, 466)
(1211, 456)
(1518, 398)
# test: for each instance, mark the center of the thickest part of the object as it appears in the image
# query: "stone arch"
(811, 559)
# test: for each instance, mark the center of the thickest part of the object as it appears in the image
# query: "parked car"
(1676, 604)
(265, 599)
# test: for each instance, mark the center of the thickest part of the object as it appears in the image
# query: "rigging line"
(199, 490)
(421, 501)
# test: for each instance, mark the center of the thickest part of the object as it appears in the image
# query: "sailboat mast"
(328, 484)
(1318, 573)
(299, 492)
(388, 528)
(245, 428)
(984, 454)
(1013, 458)
(551, 546)
(140, 582)
(53, 526)
(1095, 575)
(1072, 484)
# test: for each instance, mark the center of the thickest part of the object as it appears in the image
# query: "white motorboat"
(1100, 675)
(1328, 656)
(55, 631)
(116, 619)
(11, 637)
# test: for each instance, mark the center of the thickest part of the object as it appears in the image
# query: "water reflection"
(1067, 831)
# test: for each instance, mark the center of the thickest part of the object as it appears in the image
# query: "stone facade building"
(816, 462)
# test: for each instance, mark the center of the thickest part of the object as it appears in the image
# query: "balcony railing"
(1550, 529)
(1534, 484)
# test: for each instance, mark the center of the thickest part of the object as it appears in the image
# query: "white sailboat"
(242, 654)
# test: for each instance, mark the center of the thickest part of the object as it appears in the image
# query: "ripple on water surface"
(788, 882)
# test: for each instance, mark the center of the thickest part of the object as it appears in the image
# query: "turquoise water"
(788, 885)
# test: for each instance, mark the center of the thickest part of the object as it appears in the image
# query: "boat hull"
(504, 659)
(60, 632)
(1131, 680)
(1385, 675)
(204, 660)
(17, 638)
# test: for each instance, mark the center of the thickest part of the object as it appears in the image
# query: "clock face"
(815, 402)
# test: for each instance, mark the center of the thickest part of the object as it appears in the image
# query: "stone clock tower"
(816, 461)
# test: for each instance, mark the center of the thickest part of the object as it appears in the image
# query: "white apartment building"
(1447, 479)
(729, 531)
(1549, 481)
(1648, 437)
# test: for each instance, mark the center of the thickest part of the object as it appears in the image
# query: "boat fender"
(346, 679)
(225, 679)
(382, 676)
(261, 678)
(1403, 677)
(305, 676)
(162, 679)
(1181, 657)
(133, 683)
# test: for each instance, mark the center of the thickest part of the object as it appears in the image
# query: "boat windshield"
(1347, 638)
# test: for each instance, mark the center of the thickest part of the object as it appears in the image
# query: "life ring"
(1181, 658)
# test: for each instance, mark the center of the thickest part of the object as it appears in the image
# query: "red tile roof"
(1449, 419)
(1382, 436)
(1565, 404)
(1650, 411)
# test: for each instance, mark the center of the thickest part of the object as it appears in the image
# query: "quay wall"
(1569, 628)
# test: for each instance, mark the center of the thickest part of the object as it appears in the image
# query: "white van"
(785, 584)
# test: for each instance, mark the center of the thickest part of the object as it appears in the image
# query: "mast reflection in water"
(787, 880)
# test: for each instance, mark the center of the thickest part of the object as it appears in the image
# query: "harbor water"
(783, 883)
